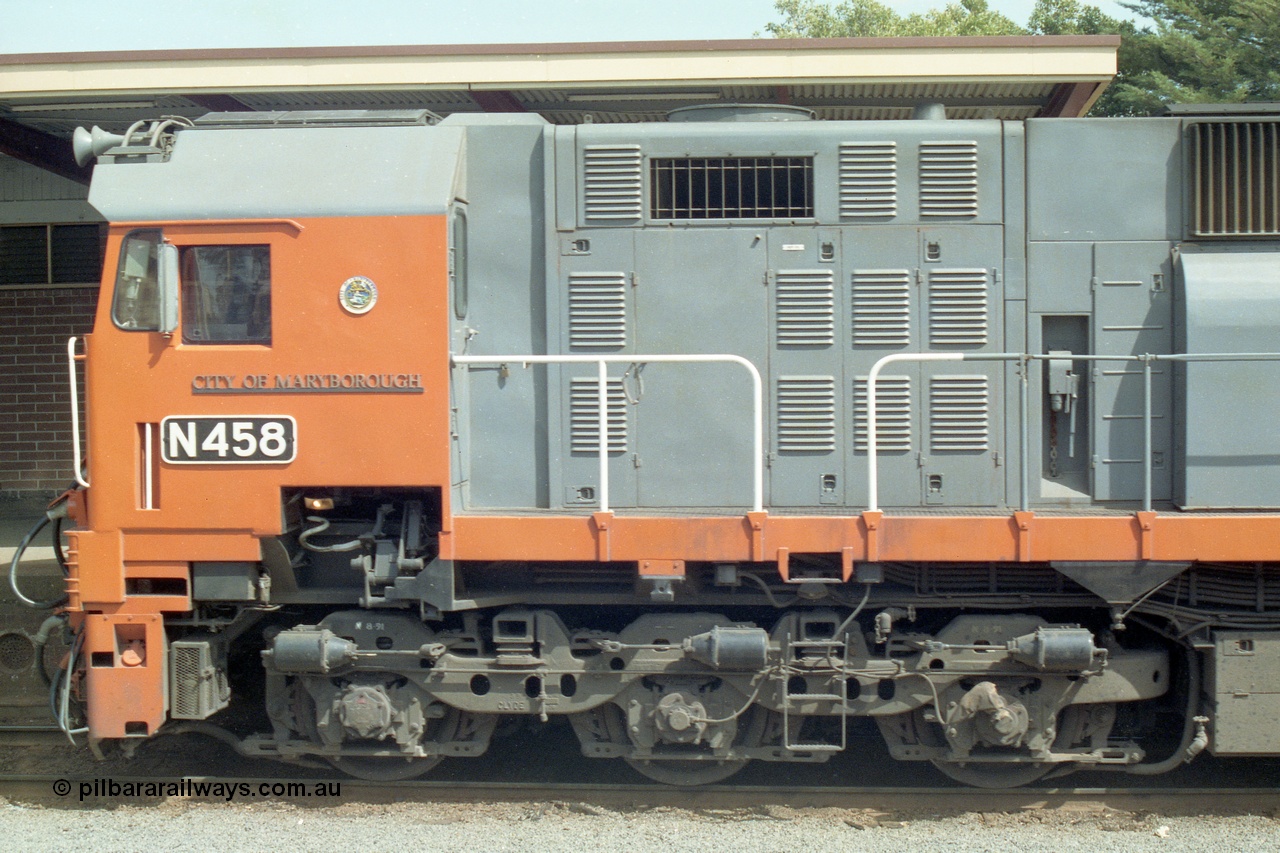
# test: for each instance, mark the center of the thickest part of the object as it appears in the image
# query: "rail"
(72, 358)
(873, 496)
(603, 361)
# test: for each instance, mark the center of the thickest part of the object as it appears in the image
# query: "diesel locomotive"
(711, 435)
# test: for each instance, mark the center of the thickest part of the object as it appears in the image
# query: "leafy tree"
(1195, 51)
(851, 19)
(1200, 51)
(867, 18)
(1072, 18)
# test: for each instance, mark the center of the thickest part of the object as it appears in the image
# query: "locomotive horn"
(89, 144)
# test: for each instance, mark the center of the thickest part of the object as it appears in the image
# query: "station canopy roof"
(44, 97)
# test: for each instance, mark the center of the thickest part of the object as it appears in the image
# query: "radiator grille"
(806, 413)
(584, 424)
(187, 678)
(805, 308)
(881, 308)
(1237, 179)
(959, 413)
(198, 686)
(868, 180)
(611, 184)
(949, 179)
(731, 188)
(958, 307)
(893, 413)
(597, 310)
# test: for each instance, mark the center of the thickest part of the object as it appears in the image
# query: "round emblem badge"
(358, 294)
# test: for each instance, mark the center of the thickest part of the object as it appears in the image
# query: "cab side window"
(136, 306)
(226, 295)
(458, 263)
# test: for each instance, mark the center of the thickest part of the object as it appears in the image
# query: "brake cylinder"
(742, 649)
(315, 651)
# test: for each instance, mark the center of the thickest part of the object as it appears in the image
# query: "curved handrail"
(72, 358)
(601, 361)
(873, 496)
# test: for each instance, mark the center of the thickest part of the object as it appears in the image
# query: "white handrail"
(873, 497)
(757, 401)
(75, 409)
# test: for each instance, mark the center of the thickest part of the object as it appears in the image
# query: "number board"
(236, 439)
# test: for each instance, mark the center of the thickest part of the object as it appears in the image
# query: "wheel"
(454, 725)
(980, 775)
(686, 774)
(608, 722)
(377, 768)
(381, 768)
(1073, 726)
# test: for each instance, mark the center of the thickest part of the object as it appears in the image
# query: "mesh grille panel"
(958, 413)
(611, 184)
(958, 307)
(597, 310)
(584, 413)
(187, 681)
(881, 308)
(893, 413)
(949, 179)
(805, 305)
(806, 413)
(868, 180)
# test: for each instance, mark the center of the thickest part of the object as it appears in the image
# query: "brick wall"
(35, 419)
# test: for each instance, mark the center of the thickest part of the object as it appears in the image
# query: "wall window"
(51, 254)
(226, 294)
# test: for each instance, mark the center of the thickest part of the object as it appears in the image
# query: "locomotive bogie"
(699, 687)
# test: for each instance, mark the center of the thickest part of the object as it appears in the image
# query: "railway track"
(56, 789)
(39, 757)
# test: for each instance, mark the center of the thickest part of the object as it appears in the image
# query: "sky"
(41, 26)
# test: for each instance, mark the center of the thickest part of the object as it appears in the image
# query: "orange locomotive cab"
(191, 440)
(278, 333)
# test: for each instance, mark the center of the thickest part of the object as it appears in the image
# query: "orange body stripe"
(1172, 537)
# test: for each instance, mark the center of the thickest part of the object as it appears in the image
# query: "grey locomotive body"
(1055, 526)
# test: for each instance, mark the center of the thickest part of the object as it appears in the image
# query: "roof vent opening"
(741, 112)
(1235, 179)
(929, 111)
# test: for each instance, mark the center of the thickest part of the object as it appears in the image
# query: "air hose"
(41, 639)
(56, 513)
(1194, 736)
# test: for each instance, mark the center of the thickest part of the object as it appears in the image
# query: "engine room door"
(592, 312)
(806, 383)
(698, 289)
(1132, 310)
(939, 425)
(962, 440)
(880, 266)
